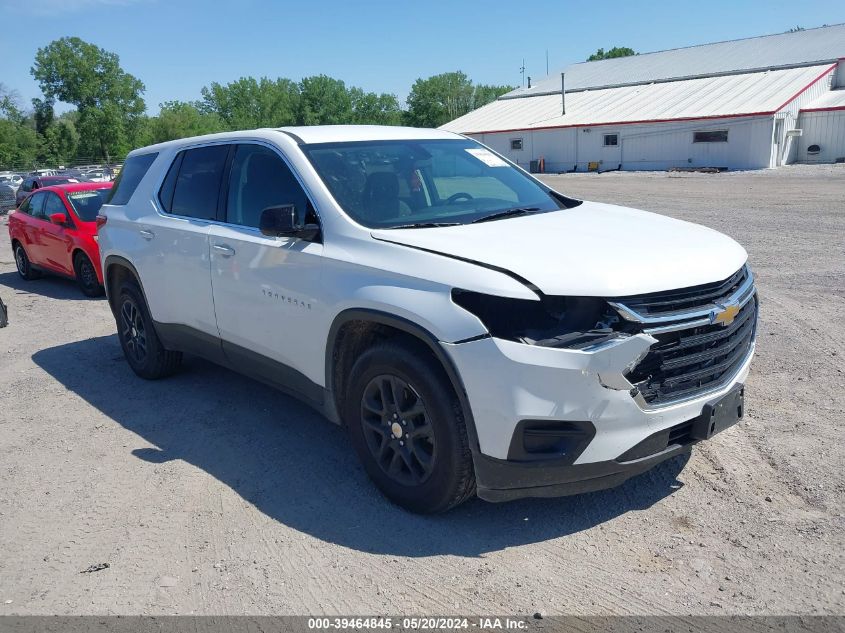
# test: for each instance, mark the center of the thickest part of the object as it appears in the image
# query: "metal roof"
(710, 97)
(833, 100)
(809, 47)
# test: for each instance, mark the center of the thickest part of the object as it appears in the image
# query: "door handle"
(225, 251)
(147, 235)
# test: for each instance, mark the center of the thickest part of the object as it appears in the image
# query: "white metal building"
(734, 105)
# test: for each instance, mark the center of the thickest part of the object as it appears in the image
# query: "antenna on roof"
(522, 71)
(547, 62)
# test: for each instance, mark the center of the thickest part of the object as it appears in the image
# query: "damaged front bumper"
(579, 396)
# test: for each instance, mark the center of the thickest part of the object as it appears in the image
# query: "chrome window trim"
(159, 181)
(739, 298)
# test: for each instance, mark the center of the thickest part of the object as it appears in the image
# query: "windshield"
(391, 184)
(87, 204)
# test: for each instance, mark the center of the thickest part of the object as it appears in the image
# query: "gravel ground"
(209, 493)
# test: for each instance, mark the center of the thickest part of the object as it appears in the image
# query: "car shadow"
(48, 285)
(299, 469)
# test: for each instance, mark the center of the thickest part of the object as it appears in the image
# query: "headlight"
(568, 322)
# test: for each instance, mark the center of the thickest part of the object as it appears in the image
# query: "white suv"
(476, 331)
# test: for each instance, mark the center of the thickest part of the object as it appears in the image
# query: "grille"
(686, 362)
(674, 301)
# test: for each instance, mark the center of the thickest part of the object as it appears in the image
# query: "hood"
(593, 249)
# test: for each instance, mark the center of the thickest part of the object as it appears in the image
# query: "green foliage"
(324, 101)
(178, 119)
(441, 98)
(369, 108)
(250, 103)
(18, 144)
(18, 139)
(107, 97)
(616, 51)
(58, 145)
(321, 100)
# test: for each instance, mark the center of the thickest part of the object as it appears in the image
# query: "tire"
(143, 350)
(86, 276)
(413, 444)
(23, 264)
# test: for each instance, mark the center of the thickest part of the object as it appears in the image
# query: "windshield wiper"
(508, 213)
(424, 225)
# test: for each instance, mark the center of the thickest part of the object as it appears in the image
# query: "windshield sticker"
(80, 196)
(486, 156)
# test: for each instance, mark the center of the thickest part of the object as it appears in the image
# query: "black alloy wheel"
(133, 330)
(398, 430)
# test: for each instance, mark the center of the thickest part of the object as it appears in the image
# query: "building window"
(516, 144)
(611, 140)
(710, 136)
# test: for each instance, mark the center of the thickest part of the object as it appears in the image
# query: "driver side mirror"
(58, 218)
(281, 221)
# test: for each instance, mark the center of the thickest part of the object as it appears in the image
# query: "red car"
(54, 230)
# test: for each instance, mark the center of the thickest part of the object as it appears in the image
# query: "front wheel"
(408, 429)
(86, 276)
(23, 264)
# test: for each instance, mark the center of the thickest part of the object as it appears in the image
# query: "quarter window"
(710, 136)
(260, 179)
(130, 177)
(197, 187)
(611, 140)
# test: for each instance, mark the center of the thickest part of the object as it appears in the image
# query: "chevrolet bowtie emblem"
(726, 316)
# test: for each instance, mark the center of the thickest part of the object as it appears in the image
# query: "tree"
(178, 119)
(18, 140)
(43, 114)
(616, 51)
(442, 98)
(59, 143)
(252, 103)
(369, 108)
(324, 100)
(108, 98)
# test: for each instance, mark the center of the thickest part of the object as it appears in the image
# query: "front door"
(265, 287)
(55, 242)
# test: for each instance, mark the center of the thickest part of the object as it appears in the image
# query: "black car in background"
(31, 183)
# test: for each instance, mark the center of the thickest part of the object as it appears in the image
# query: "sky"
(178, 46)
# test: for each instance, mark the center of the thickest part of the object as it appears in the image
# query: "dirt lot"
(209, 493)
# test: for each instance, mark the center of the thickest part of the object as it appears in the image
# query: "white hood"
(593, 249)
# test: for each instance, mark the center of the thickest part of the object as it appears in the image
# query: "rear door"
(174, 264)
(265, 287)
(33, 237)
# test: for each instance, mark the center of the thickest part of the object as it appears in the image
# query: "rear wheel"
(143, 350)
(86, 276)
(408, 429)
(24, 267)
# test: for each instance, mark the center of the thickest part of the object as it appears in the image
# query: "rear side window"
(197, 185)
(127, 180)
(36, 204)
